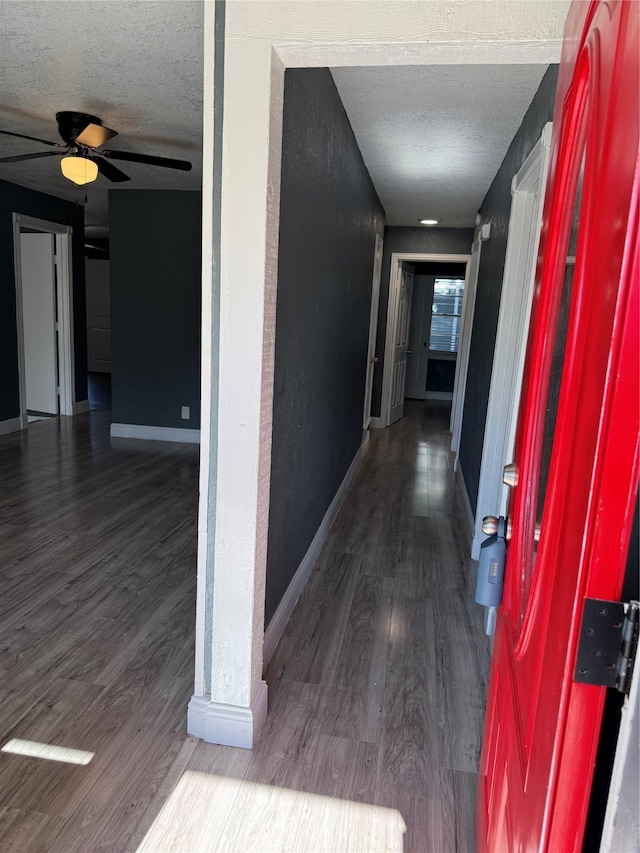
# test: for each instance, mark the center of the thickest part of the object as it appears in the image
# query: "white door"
(37, 271)
(401, 343)
(418, 352)
(98, 316)
(373, 325)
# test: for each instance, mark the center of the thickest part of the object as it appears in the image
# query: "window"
(446, 311)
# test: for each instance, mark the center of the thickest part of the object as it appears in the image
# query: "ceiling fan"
(83, 135)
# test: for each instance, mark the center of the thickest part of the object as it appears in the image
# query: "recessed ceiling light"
(428, 221)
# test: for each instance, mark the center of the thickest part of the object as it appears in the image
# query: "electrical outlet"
(186, 413)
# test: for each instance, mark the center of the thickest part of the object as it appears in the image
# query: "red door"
(576, 448)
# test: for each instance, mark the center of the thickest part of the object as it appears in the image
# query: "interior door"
(37, 273)
(373, 326)
(401, 342)
(418, 352)
(576, 448)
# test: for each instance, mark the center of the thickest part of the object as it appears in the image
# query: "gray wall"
(436, 241)
(16, 199)
(329, 216)
(496, 209)
(155, 272)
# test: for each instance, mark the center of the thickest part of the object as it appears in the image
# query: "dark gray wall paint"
(155, 275)
(329, 216)
(16, 199)
(434, 241)
(496, 209)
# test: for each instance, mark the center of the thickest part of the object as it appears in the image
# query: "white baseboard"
(439, 395)
(81, 406)
(10, 425)
(377, 423)
(279, 620)
(466, 504)
(228, 725)
(155, 433)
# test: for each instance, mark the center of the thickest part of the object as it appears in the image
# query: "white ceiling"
(432, 137)
(136, 65)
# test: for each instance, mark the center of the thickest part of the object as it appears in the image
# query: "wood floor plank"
(376, 689)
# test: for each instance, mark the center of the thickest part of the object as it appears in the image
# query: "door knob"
(510, 474)
(408, 352)
(374, 360)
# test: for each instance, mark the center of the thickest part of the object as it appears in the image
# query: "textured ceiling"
(136, 65)
(433, 137)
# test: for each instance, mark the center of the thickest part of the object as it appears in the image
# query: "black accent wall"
(435, 241)
(155, 275)
(496, 209)
(17, 199)
(329, 216)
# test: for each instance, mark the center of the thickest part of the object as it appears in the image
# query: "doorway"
(397, 349)
(43, 264)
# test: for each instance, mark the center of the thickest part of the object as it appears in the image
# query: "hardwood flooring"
(376, 689)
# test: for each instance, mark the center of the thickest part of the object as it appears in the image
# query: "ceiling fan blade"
(95, 135)
(109, 171)
(32, 138)
(18, 158)
(149, 160)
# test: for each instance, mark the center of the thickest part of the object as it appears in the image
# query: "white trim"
(395, 278)
(208, 381)
(279, 620)
(228, 725)
(64, 262)
(155, 433)
(464, 346)
(11, 425)
(466, 503)
(377, 423)
(525, 222)
(373, 329)
(439, 395)
(81, 406)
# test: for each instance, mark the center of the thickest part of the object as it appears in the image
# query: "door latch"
(493, 552)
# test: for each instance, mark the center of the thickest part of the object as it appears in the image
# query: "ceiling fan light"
(80, 170)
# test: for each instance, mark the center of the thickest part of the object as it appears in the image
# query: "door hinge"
(608, 643)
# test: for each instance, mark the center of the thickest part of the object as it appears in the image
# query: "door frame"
(373, 329)
(395, 278)
(528, 191)
(64, 266)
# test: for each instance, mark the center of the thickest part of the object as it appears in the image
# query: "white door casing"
(395, 280)
(373, 327)
(400, 343)
(37, 275)
(464, 341)
(528, 190)
(63, 261)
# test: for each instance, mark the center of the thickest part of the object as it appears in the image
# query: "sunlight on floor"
(47, 751)
(206, 812)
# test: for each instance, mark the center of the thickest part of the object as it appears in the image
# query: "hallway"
(376, 690)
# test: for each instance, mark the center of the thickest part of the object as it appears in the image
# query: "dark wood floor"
(376, 690)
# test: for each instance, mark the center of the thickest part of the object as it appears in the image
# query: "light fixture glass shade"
(80, 170)
(428, 221)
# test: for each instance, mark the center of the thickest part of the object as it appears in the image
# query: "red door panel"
(576, 447)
